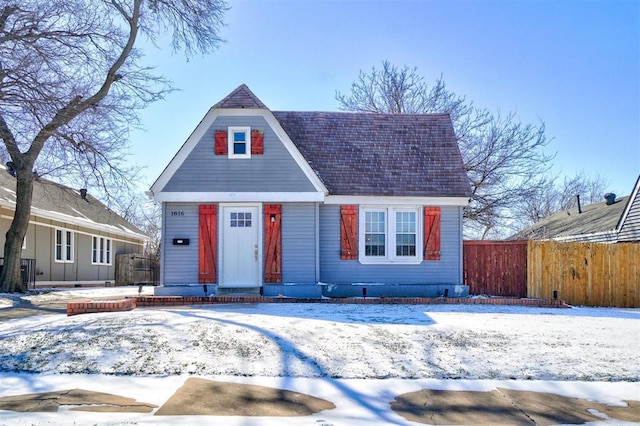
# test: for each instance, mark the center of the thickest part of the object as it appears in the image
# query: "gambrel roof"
(67, 205)
(380, 154)
(241, 97)
(350, 154)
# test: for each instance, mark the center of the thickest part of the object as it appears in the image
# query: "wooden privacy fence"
(591, 274)
(137, 269)
(497, 268)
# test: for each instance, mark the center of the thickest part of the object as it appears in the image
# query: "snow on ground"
(357, 356)
(329, 340)
(52, 295)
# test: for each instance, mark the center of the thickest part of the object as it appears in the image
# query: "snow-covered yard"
(359, 357)
(328, 340)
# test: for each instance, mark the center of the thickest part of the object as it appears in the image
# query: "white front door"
(240, 247)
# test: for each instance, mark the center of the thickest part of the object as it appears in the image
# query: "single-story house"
(614, 220)
(72, 238)
(311, 203)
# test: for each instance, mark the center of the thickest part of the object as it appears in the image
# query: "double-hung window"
(375, 233)
(101, 251)
(63, 246)
(390, 235)
(239, 142)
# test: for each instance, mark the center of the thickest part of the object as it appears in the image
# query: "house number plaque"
(177, 213)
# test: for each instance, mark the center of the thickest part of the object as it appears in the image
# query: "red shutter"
(257, 142)
(208, 243)
(272, 243)
(348, 232)
(432, 233)
(220, 147)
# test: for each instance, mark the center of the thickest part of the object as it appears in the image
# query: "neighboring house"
(612, 221)
(259, 199)
(73, 237)
(629, 225)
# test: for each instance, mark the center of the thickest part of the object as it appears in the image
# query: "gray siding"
(83, 257)
(447, 270)
(299, 243)
(631, 227)
(40, 246)
(274, 171)
(180, 263)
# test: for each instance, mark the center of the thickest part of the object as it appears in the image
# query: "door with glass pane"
(240, 247)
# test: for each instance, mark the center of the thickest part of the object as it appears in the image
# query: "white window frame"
(247, 137)
(390, 256)
(67, 241)
(101, 250)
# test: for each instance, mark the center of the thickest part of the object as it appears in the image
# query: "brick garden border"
(75, 308)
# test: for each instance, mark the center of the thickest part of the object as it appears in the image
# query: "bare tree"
(72, 83)
(552, 195)
(143, 213)
(503, 157)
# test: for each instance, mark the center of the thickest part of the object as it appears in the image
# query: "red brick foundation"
(75, 308)
(200, 300)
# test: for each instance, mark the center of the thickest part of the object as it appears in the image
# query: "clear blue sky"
(574, 65)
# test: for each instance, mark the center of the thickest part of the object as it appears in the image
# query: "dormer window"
(239, 142)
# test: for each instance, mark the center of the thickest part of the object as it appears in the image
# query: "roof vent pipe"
(579, 206)
(83, 193)
(610, 197)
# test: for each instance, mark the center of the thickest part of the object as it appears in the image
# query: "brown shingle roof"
(241, 97)
(380, 154)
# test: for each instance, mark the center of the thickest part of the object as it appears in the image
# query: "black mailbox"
(180, 241)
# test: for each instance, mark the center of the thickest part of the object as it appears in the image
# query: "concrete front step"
(244, 291)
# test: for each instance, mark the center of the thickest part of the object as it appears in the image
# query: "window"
(240, 219)
(405, 233)
(375, 232)
(390, 235)
(101, 251)
(63, 246)
(239, 142)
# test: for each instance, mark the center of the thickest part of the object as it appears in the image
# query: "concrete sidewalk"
(197, 400)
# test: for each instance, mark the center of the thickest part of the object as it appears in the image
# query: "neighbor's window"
(239, 142)
(63, 246)
(390, 235)
(101, 251)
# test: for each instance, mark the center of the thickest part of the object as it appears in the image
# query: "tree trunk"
(11, 277)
